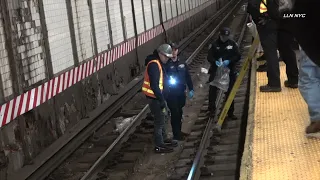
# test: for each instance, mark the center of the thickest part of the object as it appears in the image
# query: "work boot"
(313, 130)
(290, 85)
(183, 134)
(211, 112)
(163, 149)
(232, 117)
(171, 143)
(268, 88)
(261, 58)
(262, 68)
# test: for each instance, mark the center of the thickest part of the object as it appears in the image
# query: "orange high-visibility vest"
(146, 89)
(263, 7)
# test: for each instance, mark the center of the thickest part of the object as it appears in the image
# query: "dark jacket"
(180, 71)
(306, 30)
(272, 10)
(228, 50)
(154, 76)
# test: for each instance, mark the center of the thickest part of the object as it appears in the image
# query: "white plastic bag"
(222, 78)
(122, 123)
(252, 27)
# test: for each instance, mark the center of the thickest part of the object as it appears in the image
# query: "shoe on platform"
(262, 68)
(290, 85)
(268, 88)
(313, 130)
(232, 117)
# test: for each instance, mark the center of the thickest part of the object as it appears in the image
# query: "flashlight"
(172, 80)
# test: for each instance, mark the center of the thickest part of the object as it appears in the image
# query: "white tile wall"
(179, 6)
(187, 3)
(163, 8)
(139, 16)
(83, 30)
(101, 24)
(174, 8)
(27, 42)
(168, 9)
(148, 14)
(58, 34)
(183, 6)
(116, 23)
(4, 63)
(128, 18)
(156, 16)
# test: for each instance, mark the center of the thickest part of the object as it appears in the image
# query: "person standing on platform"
(228, 51)
(153, 87)
(179, 77)
(309, 86)
(273, 35)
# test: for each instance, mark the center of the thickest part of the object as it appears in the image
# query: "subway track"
(223, 150)
(110, 154)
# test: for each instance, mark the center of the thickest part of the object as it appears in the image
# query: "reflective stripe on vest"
(263, 7)
(146, 89)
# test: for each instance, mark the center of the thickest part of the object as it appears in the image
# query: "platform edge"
(246, 160)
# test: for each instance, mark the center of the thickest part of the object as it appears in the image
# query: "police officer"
(154, 88)
(228, 51)
(179, 77)
(273, 35)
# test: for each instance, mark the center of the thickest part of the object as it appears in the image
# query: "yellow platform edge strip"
(246, 161)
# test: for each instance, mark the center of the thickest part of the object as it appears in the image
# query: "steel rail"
(206, 135)
(188, 40)
(56, 153)
(93, 170)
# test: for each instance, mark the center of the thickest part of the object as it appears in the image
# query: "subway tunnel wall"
(61, 59)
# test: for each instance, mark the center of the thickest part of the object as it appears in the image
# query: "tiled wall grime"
(148, 14)
(116, 22)
(61, 51)
(101, 24)
(156, 14)
(58, 34)
(4, 63)
(27, 43)
(128, 18)
(83, 29)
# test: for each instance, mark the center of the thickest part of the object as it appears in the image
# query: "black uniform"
(305, 30)
(273, 36)
(228, 50)
(177, 93)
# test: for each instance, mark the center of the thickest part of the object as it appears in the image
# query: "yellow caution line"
(237, 84)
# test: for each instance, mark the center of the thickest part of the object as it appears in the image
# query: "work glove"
(164, 108)
(262, 21)
(191, 93)
(218, 63)
(226, 63)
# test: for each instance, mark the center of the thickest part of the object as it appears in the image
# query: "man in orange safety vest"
(153, 87)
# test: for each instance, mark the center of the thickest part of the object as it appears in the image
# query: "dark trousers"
(286, 49)
(176, 102)
(160, 133)
(213, 92)
(268, 38)
(273, 38)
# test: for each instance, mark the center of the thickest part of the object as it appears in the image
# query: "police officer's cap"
(174, 45)
(225, 31)
(165, 49)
